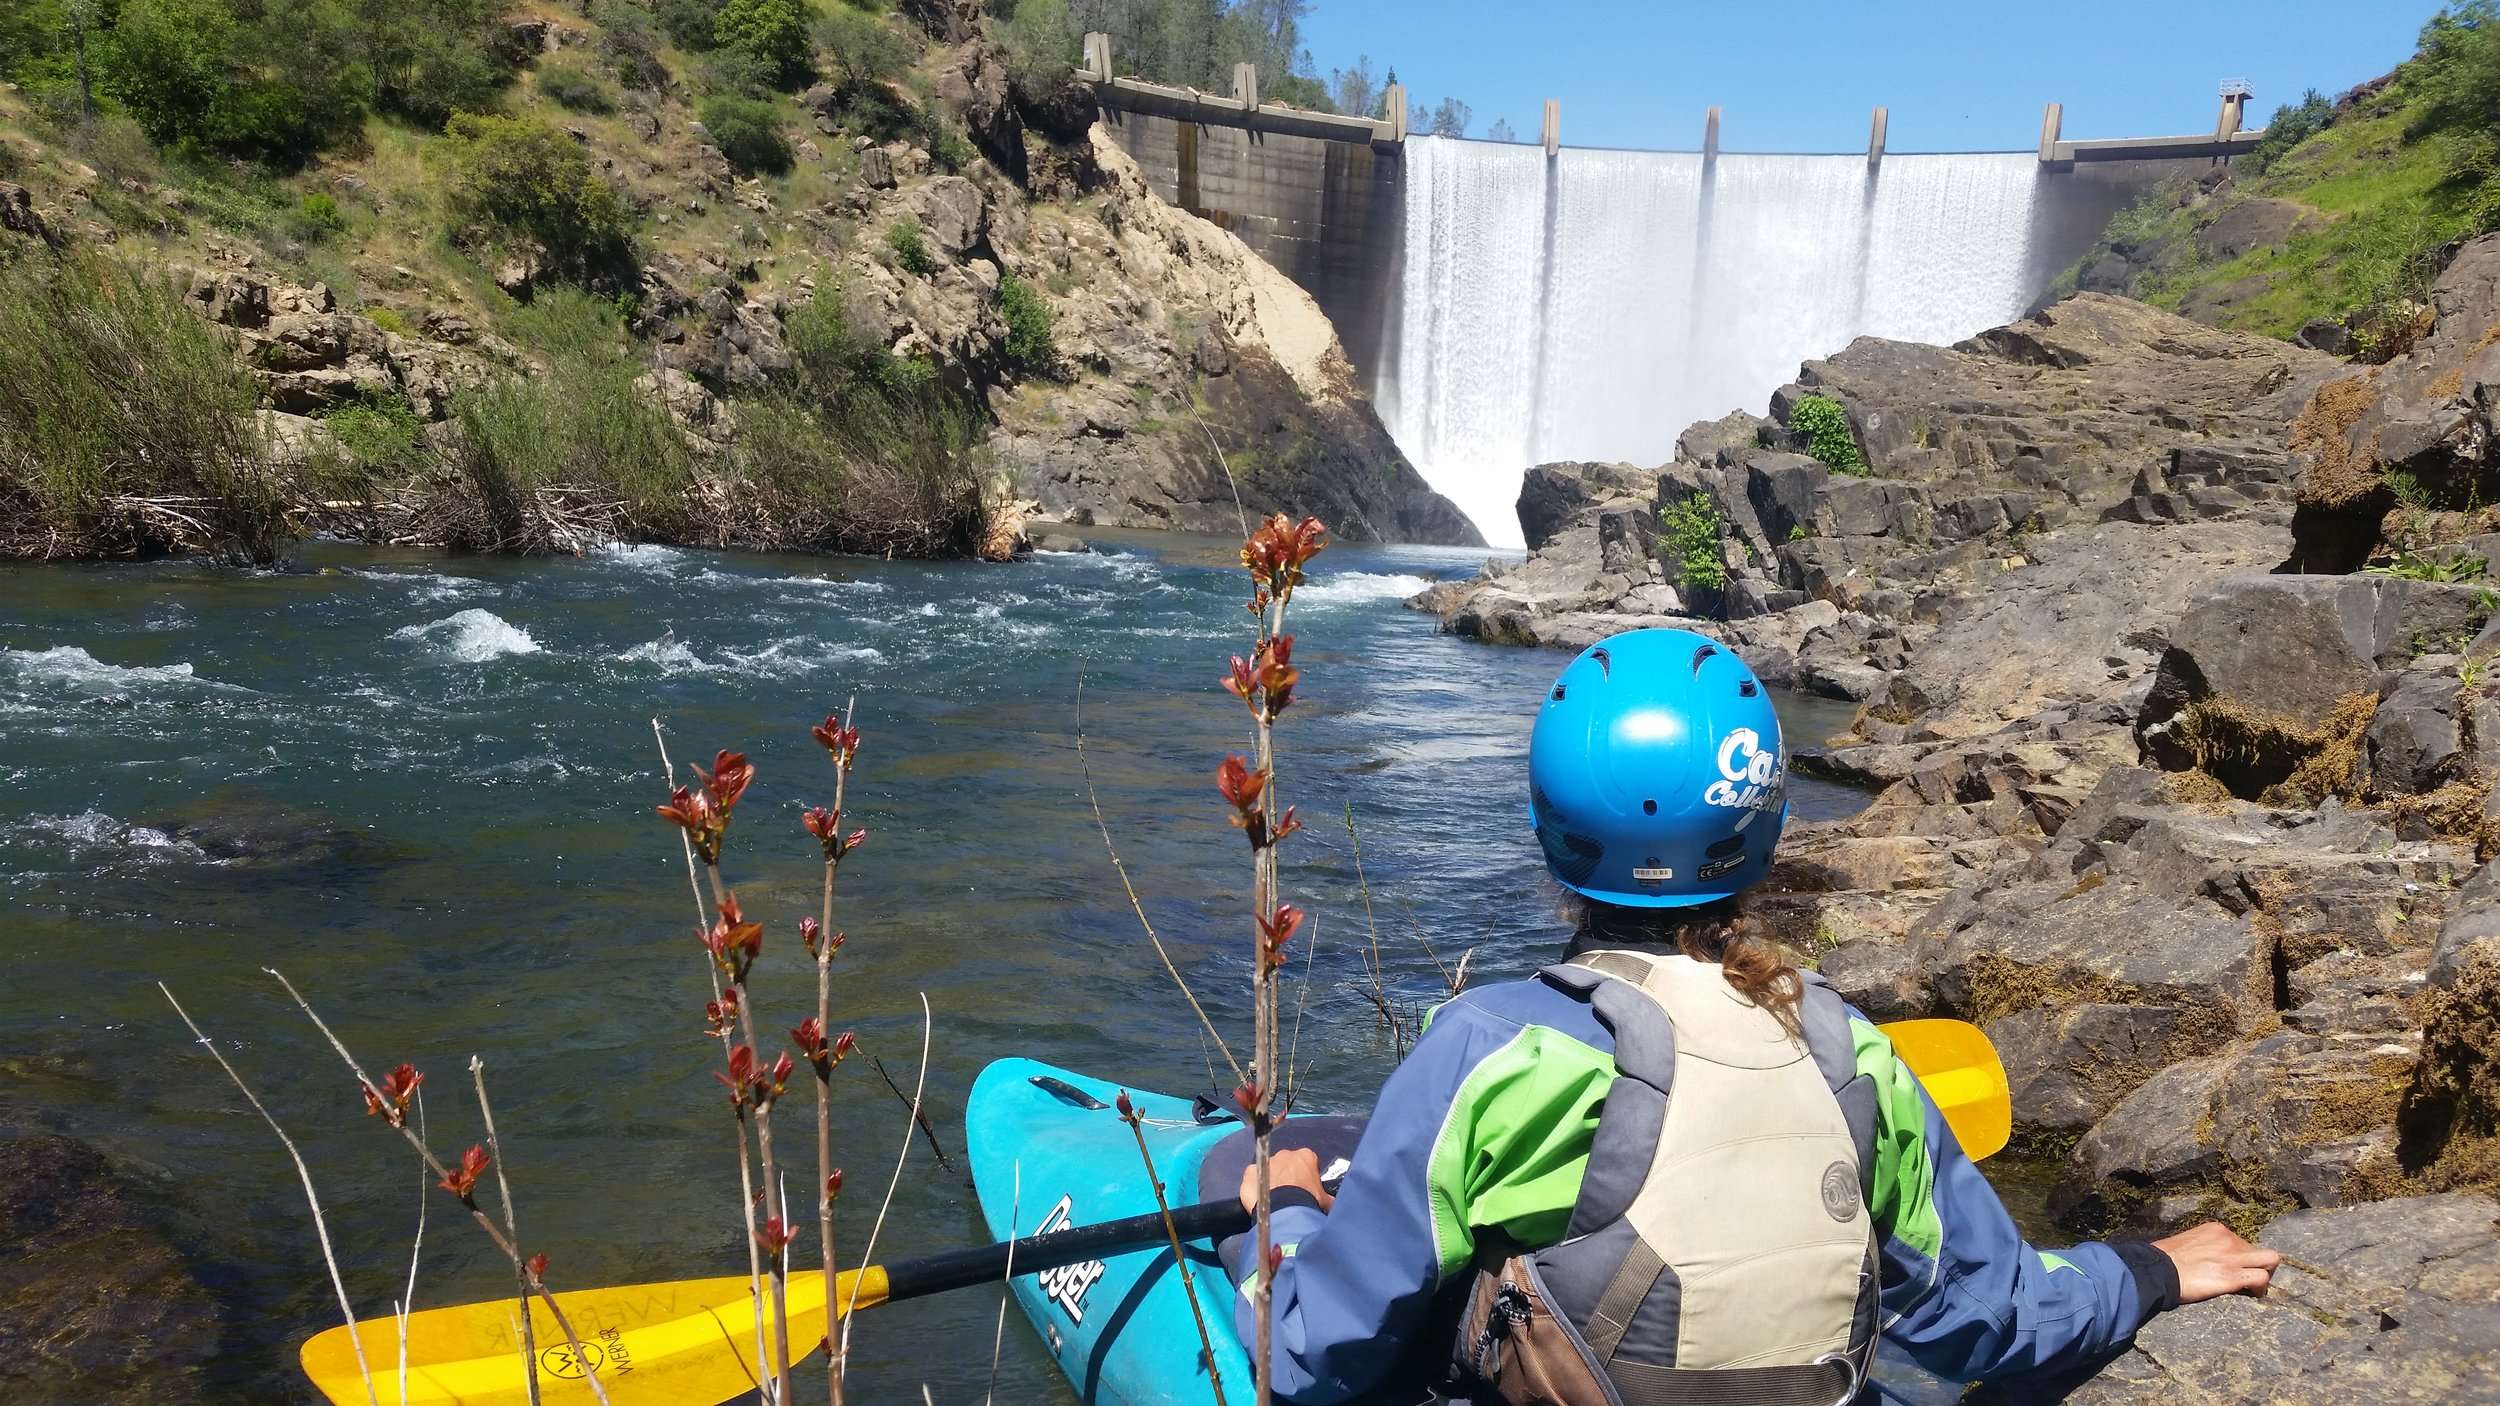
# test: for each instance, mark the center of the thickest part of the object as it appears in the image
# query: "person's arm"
(1485, 1126)
(1967, 1297)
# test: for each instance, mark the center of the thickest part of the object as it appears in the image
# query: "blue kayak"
(1049, 1151)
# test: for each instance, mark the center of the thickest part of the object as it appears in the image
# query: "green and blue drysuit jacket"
(1477, 1147)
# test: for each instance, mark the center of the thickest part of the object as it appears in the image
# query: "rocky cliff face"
(1190, 355)
(2195, 831)
(1176, 349)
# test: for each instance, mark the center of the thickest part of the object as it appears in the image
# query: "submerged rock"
(96, 1305)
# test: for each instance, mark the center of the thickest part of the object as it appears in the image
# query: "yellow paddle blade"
(686, 1341)
(1963, 1075)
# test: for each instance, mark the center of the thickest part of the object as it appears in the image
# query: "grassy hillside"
(2342, 214)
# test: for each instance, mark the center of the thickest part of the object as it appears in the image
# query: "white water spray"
(1595, 306)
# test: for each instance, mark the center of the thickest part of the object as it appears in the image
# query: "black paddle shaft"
(988, 1264)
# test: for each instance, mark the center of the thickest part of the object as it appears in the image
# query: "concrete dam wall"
(1329, 213)
(1515, 304)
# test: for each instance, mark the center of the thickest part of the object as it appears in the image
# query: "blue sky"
(1806, 75)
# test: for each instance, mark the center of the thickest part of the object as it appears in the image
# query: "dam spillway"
(1592, 304)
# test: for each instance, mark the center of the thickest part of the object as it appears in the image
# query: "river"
(422, 787)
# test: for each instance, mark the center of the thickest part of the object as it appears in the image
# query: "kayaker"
(1672, 1168)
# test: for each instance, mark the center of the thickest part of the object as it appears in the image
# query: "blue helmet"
(1656, 778)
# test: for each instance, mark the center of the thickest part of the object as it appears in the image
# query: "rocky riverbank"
(1029, 328)
(2173, 650)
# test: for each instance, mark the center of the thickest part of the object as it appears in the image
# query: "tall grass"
(127, 427)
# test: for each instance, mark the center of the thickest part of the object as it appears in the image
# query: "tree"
(861, 51)
(1353, 89)
(165, 61)
(1451, 117)
(1041, 42)
(1500, 131)
(518, 181)
(1380, 101)
(772, 30)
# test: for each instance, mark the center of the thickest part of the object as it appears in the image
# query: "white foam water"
(778, 659)
(1355, 587)
(1595, 306)
(97, 839)
(471, 636)
(68, 666)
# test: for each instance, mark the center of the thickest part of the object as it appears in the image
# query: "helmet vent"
(1572, 857)
(1558, 693)
(1723, 848)
(1748, 689)
(1649, 807)
(1605, 661)
(1700, 654)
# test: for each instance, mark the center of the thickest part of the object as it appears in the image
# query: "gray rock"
(2391, 1302)
(2414, 743)
(954, 213)
(2294, 647)
(96, 1304)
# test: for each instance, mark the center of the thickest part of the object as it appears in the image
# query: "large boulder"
(2392, 1302)
(2432, 413)
(96, 1305)
(2291, 653)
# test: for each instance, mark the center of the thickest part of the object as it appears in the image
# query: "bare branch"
(321, 1226)
(869, 1255)
(503, 1186)
(1140, 908)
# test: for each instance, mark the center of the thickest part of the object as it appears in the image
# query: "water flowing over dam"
(1593, 304)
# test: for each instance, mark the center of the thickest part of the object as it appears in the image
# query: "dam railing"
(1242, 108)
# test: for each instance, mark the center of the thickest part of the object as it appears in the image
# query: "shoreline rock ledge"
(2175, 654)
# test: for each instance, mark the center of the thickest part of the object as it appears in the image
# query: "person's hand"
(1286, 1166)
(2213, 1260)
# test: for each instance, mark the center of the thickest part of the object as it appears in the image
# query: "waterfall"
(1596, 309)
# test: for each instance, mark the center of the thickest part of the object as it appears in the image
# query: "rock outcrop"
(2398, 1301)
(2198, 839)
(1196, 370)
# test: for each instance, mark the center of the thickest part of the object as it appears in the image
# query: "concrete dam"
(1511, 304)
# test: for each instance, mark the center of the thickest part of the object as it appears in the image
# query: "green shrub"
(819, 335)
(902, 239)
(1826, 427)
(861, 51)
(2457, 69)
(569, 325)
(113, 391)
(1689, 531)
(1029, 319)
(2415, 566)
(379, 441)
(629, 44)
(570, 85)
(439, 59)
(2289, 127)
(688, 23)
(944, 137)
(1041, 42)
(745, 131)
(523, 183)
(317, 218)
(772, 30)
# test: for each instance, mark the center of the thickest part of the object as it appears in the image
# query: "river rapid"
(422, 787)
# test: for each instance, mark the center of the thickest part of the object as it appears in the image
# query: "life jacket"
(1721, 1252)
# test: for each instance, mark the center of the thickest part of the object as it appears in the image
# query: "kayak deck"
(1120, 1327)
